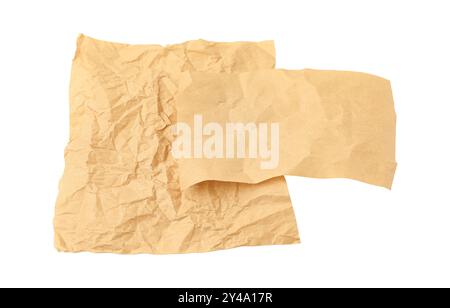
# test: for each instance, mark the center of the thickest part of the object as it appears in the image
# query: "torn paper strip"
(320, 124)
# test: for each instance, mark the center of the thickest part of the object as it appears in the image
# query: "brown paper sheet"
(120, 191)
(331, 124)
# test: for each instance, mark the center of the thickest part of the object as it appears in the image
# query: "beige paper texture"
(120, 191)
(332, 124)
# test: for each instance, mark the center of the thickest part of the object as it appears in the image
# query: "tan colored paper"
(120, 190)
(332, 124)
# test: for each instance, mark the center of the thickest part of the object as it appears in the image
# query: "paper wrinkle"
(120, 190)
(333, 124)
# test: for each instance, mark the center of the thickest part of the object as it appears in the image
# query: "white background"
(354, 235)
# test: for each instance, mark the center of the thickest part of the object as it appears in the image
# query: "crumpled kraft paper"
(120, 191)
(332, 124)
